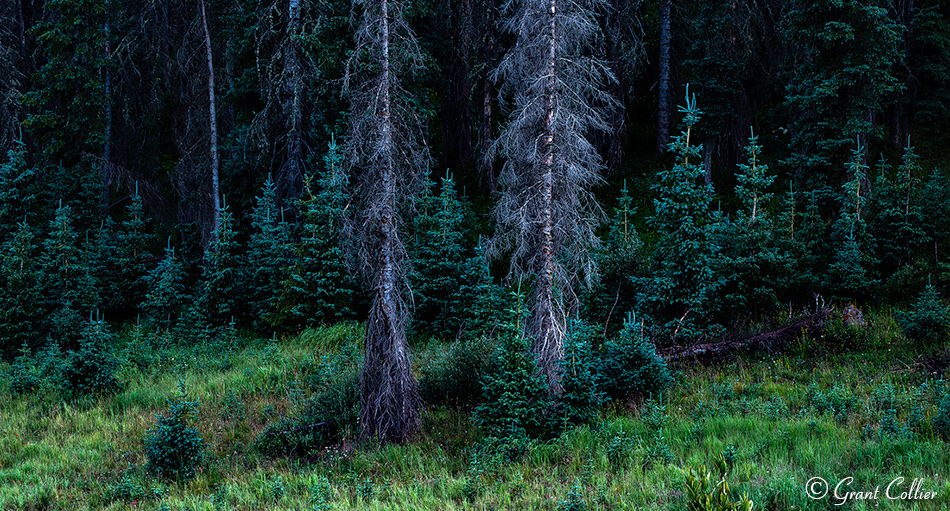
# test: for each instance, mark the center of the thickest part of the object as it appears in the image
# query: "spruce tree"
(895, 217)
(582, 397)
(319, 290)
(479, 298)
(437, 255)
(132, 254)
(676, 298)
(851, 271)
(750, 259)
(16, 197)
(222, 297)
(63, 276)
(269, 256)
(165, 290)
(21, 305)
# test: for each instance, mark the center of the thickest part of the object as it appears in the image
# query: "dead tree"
(546, 215)
(384, 152)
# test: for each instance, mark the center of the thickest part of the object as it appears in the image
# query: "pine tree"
(63, 277)
(676, 299)
(269, 256)
(16, 197)
(582, 397)
(383, 145)
(930, 321)
(479, 298)
(620, 260)
(436, 251)
(319, 290)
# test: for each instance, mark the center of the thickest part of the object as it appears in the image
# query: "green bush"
(453, 374)
(327, 417)
(942, 419)
(91, 369)
(930, 320)
(175, 451)
(581, 398)
(38, 371)
(515, 401)
(629, 366)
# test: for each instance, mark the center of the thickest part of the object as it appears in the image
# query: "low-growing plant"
(574, 501)
(703, 493)
(930, 320)
(452, 375)
(174, 450)
(941, 422)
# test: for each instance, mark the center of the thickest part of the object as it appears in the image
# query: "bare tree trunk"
(293, 176)
(457, 103)
(107, 149)
(213, 132)
(487, 163)
(709, 148)
(545, 322)
(389, 404)
(663, 103)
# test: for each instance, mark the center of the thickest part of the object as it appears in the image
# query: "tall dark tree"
(547, 214)
(664, 104)
(384, 150)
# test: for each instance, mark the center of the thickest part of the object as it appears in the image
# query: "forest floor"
(866, 408)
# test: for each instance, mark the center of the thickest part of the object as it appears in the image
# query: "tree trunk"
(213, 134)
(389, 403)
(709, 148)
(293, 175)
(663, 103)
(545, 323)
(487, 163)
(107, 148)
(457, 115)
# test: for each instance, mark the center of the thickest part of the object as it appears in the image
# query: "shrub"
(42, 370)
(328, 416)
(629, 366)
(930, 320)
(453, 376)
(514, 393)
(581, 398)
(91, 369)
(174, 450)
(942, 419)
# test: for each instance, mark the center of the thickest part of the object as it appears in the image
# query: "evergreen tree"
(436, 252)
(546, 214)
(479, 298)
(21, 305)
(16, 197)
(222, 296)
(935, 199)
(269, 256)
(629, 366)
(620, 260)
(132, 255)
(92, 367)
(850, 272)
(64, 278)
(582, 396)
(930, 321)
(515, 403)
(319, 289)
(677, 298)
(165, 291)
(750, 260)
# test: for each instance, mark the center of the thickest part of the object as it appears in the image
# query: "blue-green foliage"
(751, 260)
(63, 278)
(676, 298)
(91, 368)
(515, 402)
(930, 320)
(269, 256)
(581, 397)
(436, 251)
(319, 289)
(21, 308)
(453, 374)
(222, 297)
(174, 450)
(850, 272)
(41, 370)
(896, 218)
(15, 196)
(165, 291)
(130, 258)
(629, 366)
(619, 259)
(479, 298)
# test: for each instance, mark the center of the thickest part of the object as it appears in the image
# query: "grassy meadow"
(864, 404)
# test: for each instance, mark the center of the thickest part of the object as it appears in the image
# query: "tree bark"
(213, 133)
(293, 175)
(663, 103)
(389, 410)
(107, 149)
(548, 342)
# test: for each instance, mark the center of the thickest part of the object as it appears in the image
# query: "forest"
(474, 254)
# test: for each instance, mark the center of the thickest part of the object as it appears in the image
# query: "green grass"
(817, 412)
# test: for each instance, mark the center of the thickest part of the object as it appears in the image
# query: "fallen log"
(770, 342)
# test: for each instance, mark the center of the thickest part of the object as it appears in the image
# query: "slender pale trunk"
(213, 129)
(548, 342)
(107, 149)
(663, 105)
(295, 86)
(388, 396)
